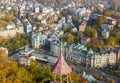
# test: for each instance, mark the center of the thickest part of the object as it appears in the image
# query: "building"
(27, 26)
(61, 70)
(112, 58)
(43, 20)
(100, 60)
(75, 53)
(109, 27)
(85, 40)
(10, 31)
(105, 34)
(82, 27)
(89, 77)
(79, 54)
(25, 60)
(38, 39)
(112, 21)
(37, 9)
(55, 48)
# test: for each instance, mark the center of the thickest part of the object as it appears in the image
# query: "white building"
(105, 34)
(11, 32)
(37, 9)
(80, 55)
(38, 39)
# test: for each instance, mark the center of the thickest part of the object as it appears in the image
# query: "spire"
(61, 67)
(60, 48)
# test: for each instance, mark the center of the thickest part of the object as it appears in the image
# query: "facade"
(112, 58)
(38, 39)
(43, 20)
(82, 27)
(12, 29)
(85, 40)
(101, 60)
(27, 26)
(25, 60)
(55, 48)
(105, 34)
(11, 32)
(80, 55)
(107, 26)
(37, 9)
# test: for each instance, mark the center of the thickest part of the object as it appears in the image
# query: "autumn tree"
(111, 41)
(64, 12)
(108, 13)
(65, 28)
(95, 43)
(80, 34)
(3, 53)
(70, 38)
(91, 32)
(101, 20)
(117, 37)
(76, 79)
(12, 72)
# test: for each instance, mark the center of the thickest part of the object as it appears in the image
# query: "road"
(79, 69)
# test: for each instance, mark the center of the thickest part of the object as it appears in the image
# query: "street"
(79, 69)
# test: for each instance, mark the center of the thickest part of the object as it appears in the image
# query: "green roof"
(90, 52)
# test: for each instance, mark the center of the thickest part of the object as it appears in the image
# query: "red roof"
(84, 38)
(61, 67)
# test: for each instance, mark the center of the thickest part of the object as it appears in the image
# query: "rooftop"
(61, 67)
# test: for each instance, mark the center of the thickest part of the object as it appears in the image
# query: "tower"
(61, 70)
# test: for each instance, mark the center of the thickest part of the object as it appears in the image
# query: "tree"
(80, 34)
(111, 41)
(101, 20)
(12, 72)
(117, 37)
(3, 53)
(20, 40)
(65, 28)
(91, 32)
(108, 13)
(76, 39)
(94, 43)
(70, 38)
(64, 12)
(76, 79)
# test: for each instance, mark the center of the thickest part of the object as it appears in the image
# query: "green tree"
(80, 34)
